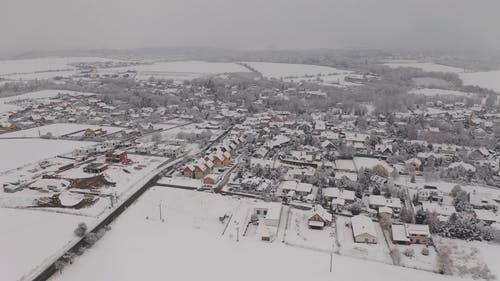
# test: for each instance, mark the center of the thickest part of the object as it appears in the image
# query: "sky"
(31, 25)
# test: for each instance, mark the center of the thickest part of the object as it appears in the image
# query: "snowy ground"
(19, 152)
(299, 234)
(439, 92)
(28, 238)
(173, 131)
(179, 70)
(188, 245)
(303, 73)
(446, 186)
(38, 95)
(39, 65)
(425, 66)
(468, 256)
(58, 130)
(375, 252)
(486, 79)
(489, 79)
(284, 70)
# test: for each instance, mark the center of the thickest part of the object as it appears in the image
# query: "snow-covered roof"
(399, 233)
(444, 210)
(288, 185)
(486, 215)
(362, 224)
(304, 187)
(417, 229)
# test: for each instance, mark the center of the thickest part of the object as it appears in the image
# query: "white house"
(363, 229)
(270, 212)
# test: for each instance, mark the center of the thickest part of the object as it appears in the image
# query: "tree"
(380, 170)
(59, 265)
(432, 220)
(385, 221)
(420, 216)
(406, 215)
(461, 202)
(356, 208)
(395, 255)
(156, 137)
(394, 174)
(444, 261)
(455, 191)
(81, 229)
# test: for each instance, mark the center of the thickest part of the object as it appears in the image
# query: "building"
(118, 156)
(418, 233)
(145, 148)
(430, 193)
(99, 132)
(363, 229)
(269, 212)
(210, 179)
(319, 218)
(411, 234)
(332, 193)
(95, 168)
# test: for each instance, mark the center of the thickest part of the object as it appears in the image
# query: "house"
(363, 229)
(95, 168)
(411, 234)
(319, 218)
(429, 193)
(145, 148)
(338, 204)
(287, 187)
(398, 233)
(304, 189)
(487, 216)
(211, 179)
(384, 148)
(270, 212)
(188, 170)
(170, 150)
(99, 132)
(332, 193)
(118, 156)
(479, 154)
(418, 233)
(200, 169)
(440, 208)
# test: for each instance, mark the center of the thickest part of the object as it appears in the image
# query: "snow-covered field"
(188, 245)
(28, 238)
(303, 73)
(38, 95)
(287, 70)
(179, 70)
(438, 92)
(425, 66)
(11, 69)
(18, 152)
(299, 234)
(57, 130)
(489, 79)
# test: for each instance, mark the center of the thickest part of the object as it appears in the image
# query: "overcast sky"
(27, 25)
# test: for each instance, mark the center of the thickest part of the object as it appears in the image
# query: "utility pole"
(161, 217)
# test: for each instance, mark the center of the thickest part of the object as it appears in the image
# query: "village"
(396, 188)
